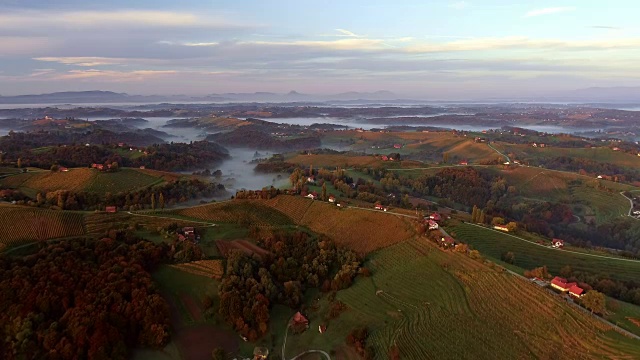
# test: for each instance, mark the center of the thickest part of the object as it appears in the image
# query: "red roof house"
(111, 209)
(385, 158)
(312, 196)
(432, 225)
(435, 217)
(299, 319)
(332, 199)
(562, 284)
(557, 243)
(576, 291)
(63, 169)
(464, 162)
(397, 146)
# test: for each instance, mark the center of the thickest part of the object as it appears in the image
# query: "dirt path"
(172, 218)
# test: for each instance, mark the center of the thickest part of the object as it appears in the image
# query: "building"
(432, 225)
(260, 353)
(322, 329)
(380, 207)
(299, 320)
(447, 242)
(576, 291)
(464, 162)
(332, 199)
(397, 146)
(111, 209)
(557, 243)
(384, 158)
(435, 217)
(501, 228)
(312, 196)
(561, 284)
(311, 179)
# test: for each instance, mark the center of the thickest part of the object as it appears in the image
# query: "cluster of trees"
(43, 149)
(587, 166)
(628, 291)
(154, 197)
(357, 339)
(82, 299)
(296, 261)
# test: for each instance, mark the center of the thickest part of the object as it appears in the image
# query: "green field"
(529, 255)
(600, 154)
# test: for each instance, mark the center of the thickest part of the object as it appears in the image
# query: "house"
(142, 167)
(312, 196)
(464, 162)
(435, 217)
(332, 199)
(63, 169)
(616, 149)
(260, 353)
(181, 238)
(561, 284)
(299, 319)
(384, 158)
(501, 228)
(311, 179)
(380, 207)
(432, 225)
(599, 177)
(535, 145)
(338, 204)
(576, 291)
(188, 231)
(447, 241)
(397, 146)
(541, 145)
(557, 243)
(111, 209)
(121, 144)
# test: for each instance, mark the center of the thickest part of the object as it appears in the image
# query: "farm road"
(171, 218)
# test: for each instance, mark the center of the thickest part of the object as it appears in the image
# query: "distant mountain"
(108, 97)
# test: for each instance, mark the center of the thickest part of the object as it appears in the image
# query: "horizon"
(451, 50)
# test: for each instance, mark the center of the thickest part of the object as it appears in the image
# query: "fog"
(238, 172)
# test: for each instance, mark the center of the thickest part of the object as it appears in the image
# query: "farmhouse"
(576, 291)
(380, 207)
(63, 169)
(432, 225)
(312, 196)
(384, 158)
(561, 284)
(332, 199)
(501, 228)
(464, 162)
(322, 329)
(447, 241)
(311, 179)
(435, 217)
(111, 209)
(397, 146)
(557, 243)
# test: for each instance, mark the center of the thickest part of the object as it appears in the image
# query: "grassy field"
(600, 154)
(441, 305)
(360, 230)
(84, 179)
(238, 212)
(622, 314)
(529, 255)
(20, 225)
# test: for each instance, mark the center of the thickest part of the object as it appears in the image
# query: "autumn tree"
(594, 301)
(153, 201)
(512, 226)
(324, 191)
(161, 201)
(481, 218)
(497, 221)
(19, 163)
(474, 214)
(509, 257)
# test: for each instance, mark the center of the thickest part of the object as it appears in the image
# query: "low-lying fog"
(238, 172)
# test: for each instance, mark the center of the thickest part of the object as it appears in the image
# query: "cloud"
(347, 33)
(549, 10)
(605, 27)
(524, 43)
(459, 5)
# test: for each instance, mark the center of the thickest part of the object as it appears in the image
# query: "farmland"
(600, 154)
(359, 230)
(21, 225)
(441, 305)
(530, 255)
(238, 212)
(84, 179)
(209, 268)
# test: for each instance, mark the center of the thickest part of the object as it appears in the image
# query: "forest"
(296, 261)
(82, 299)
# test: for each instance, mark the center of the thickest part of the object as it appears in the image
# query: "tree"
(474, 214)
(153, 201)
(54, 168)
(19, 163)
(509, 257)
(594, 301)
(445, 157)
(161, 201)
(114, 166)
(61, 200)
(481, 218)
(324, 191)
(219, 354)
(497, 221)
(512, 226)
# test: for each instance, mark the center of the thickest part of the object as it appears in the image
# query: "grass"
(600, 154)
(620, 313)
(493, 244)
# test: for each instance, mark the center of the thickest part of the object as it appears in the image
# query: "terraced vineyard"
(447, 306)
(22, 224)
(361, 230)
(209, 268)
(530, 255)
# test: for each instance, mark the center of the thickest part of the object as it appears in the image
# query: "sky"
(419, 49)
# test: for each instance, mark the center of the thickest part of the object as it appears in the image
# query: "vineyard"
(210, 268)
(361, 230)
(245, 212)
(224, 247)
(122, 181)
(73, 180)
(20, 225)
(530, 255)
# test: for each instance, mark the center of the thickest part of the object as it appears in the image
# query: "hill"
(23, 224)
(84, 179)
(433, 304)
